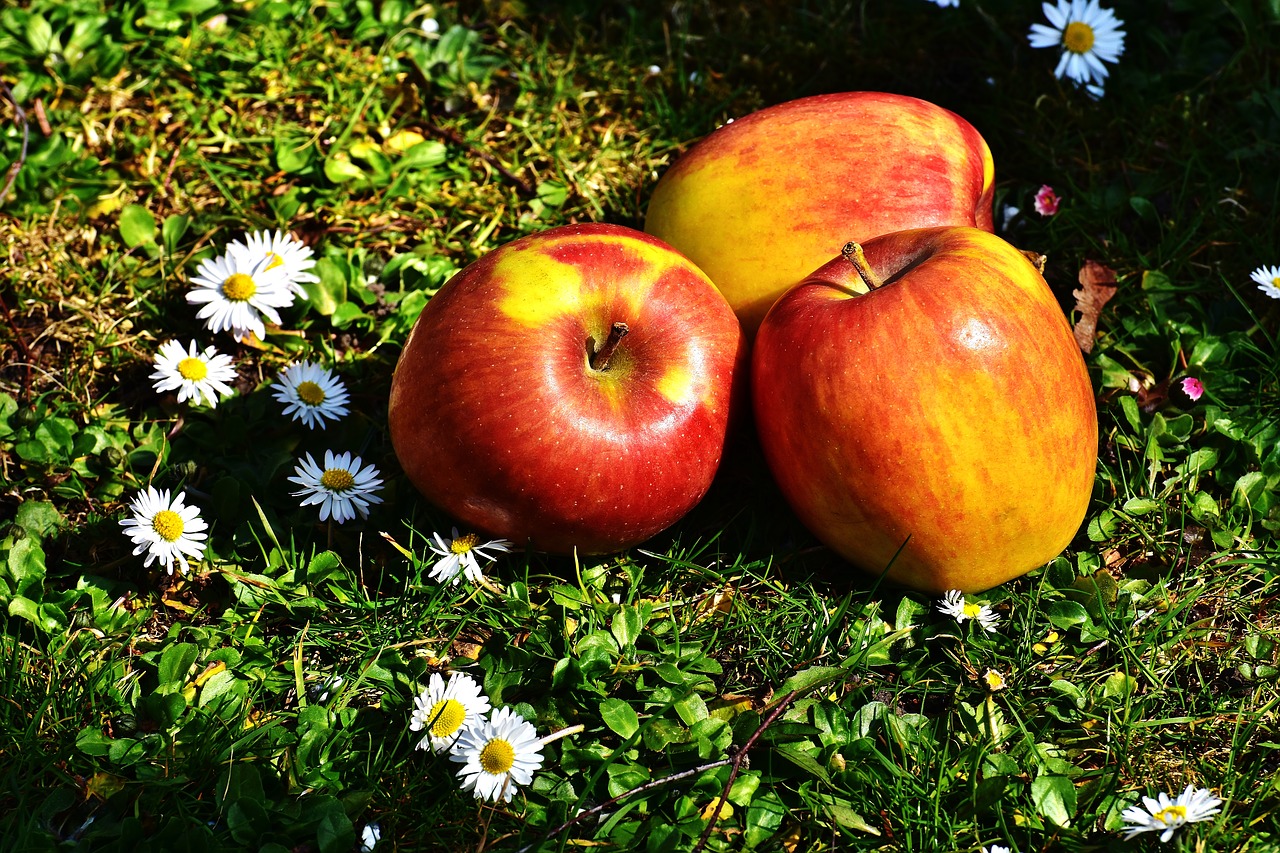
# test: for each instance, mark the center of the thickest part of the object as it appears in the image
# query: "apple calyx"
(599, 360)
(853, 253)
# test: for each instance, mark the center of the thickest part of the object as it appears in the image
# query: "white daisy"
(342, 487)
(946, 3)
(996, 848)
(369, 837)
(311, 393)
(994, 681)
(193, 374)
(953, 604)
(445, 710)
(458, 556)
(498, 754)
(166, 529)
(1268, 280)
(1165, 815)
(282, 251)
(237, 294)
(1088, 35)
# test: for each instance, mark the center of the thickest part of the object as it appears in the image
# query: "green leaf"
(1208, 350)
(92, 741)
(1119, 685)
(808, 679)
(137, 226)
(172, 230)
(1141, 506)
(620, 717)
(691, 709)
(1105, 526)
(38, 518)
(423, 155)
(1066, 614)
(293, 153)
(339, 169)
(626, 626)
(1054, 798)
(176, 661)
(764, 816)
(24, 564)
(1248, 489)
(1130, 408)
(40, 35)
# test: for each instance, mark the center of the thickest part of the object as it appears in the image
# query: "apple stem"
(853, 254)
(600, 358)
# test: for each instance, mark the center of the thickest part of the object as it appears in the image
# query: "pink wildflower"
(1193, 388)
(1047, 201)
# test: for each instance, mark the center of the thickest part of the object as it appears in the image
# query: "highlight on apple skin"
(761, 202)
(942, 425)
(569, 390)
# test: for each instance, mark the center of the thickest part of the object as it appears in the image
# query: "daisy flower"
(1268, 280)
(236, 294)
(946, 3)
(1192, 387)
(953, 604)
(342, 487)
(1088, 35)
(166, 529)
(458, 556)
(1165, 815)
(1047, 201)
(369, 837)
(311, 393)
(282, 251)
(445, 710)
(498, 755)
(994, 681)
(996, 848)
(193, 374)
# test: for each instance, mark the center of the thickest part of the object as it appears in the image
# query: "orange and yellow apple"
(765, 200)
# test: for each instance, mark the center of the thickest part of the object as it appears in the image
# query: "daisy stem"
(600, 358)
(853, 253)
(555, 736)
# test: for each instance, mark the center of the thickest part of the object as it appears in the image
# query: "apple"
(569, 390)
(925, 410)
(763, 201)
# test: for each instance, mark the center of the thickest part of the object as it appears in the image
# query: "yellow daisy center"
(995, 681)
(239, 287)
(463, 544)
(310, 393)
(446, 717)
(1078, 37)
(971, 611)
(167, 524)
(337, 479)
(497, 756)
(193, 369)
(1171, 814)
(1275, 282)
(276, 261)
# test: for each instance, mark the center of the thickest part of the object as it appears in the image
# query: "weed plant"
(737, 686)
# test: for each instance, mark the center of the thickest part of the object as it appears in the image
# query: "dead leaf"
(1097, 286)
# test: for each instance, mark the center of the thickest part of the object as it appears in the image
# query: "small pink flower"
(1193, 388)
(1047, 201)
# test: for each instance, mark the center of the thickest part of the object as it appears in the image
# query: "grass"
(144, 711)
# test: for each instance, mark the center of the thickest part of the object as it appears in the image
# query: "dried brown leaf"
(1097, 286)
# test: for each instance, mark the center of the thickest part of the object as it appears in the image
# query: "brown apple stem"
(1037, 260)
(600, 358)
(853, 254)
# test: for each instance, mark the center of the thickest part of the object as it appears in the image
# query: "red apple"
(940, 425)
(763, 201)
(570, 390)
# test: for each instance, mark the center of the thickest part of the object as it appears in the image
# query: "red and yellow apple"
(930, 415)
(569, 390)
(763, 201)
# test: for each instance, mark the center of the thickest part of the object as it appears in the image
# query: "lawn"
(728, 684)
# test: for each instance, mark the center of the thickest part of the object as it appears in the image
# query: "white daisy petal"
(237, 294)
(1087, 35)
(458, 556)
(281, 251)
(954, 605)
(311, 393)
(446, 710)
(195, 375)
(499, 755)
(342, 487)
(1268, 280)
(166, 530)
(1166, 815)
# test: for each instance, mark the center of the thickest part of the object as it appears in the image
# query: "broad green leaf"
(1066, 614)
(1130, 408)
(764, 817)
(172, 230)
(1119, 685)
(691, 709)
(1141, 506)
(293, 153)
(1054, 798)
(620, 717)
(24, 564)
(1208, 350)
(1103, 527)
(423, 155)
(808, 679)
(92, 741)
(339, 169)
(137, 226)
(1248, 489)
(38, 518)
(626, 626)
(176, 661)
